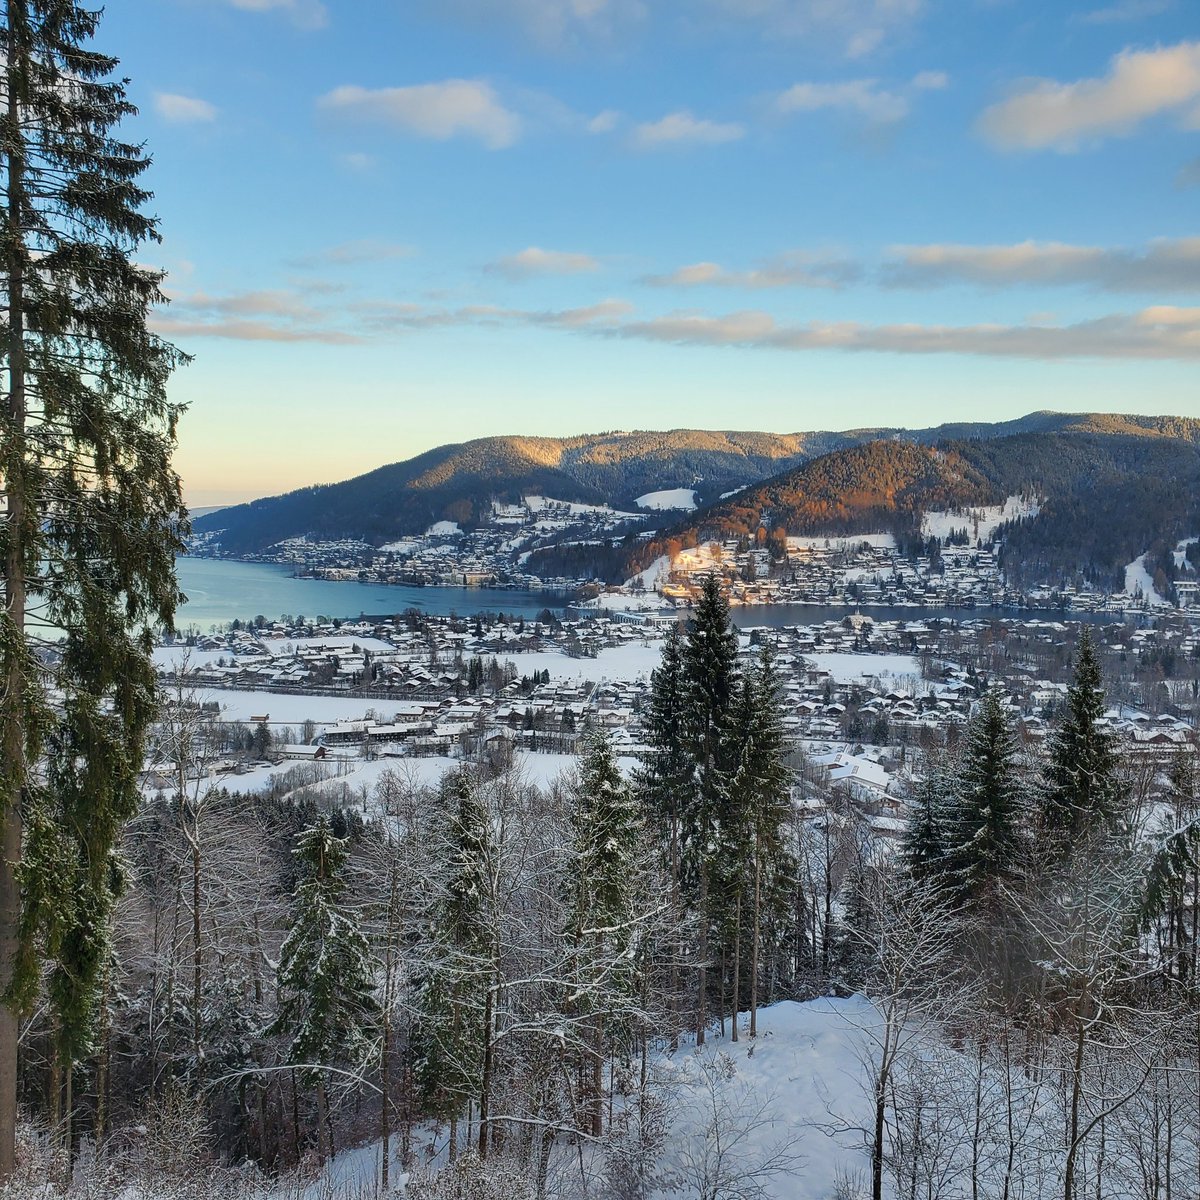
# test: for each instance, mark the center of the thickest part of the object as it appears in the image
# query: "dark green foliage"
(327, 1005)
(927, 834)
(983, 832)
(94, 507)
(1081, 795)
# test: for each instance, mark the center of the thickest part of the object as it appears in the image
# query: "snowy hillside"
(671, 498)
(980, 523)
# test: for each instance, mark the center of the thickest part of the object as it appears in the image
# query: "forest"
(486, 977)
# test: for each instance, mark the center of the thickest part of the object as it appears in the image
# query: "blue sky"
(395, 223)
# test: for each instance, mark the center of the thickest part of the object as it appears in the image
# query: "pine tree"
(605, 874)
(1081, 794)
(983, 841)
(91, 508)
(709, 663)
(760, 813)
(327, 1004)
(924, 842)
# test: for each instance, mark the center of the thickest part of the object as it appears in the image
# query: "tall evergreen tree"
(924, 842)
(91, 509)
(760, 807)
(984, 830)
(1081, 793)
(327, 1003)
(710, 671)
(605, 876)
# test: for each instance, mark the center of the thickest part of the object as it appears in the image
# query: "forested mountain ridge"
(460, 482)
(1105, 497)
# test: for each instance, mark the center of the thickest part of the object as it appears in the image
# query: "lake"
(222, 590)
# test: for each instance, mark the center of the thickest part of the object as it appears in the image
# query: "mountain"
(460, 482)
(1109, 489)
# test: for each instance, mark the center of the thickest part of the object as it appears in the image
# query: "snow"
(653, 575)
(624, 602)
(1180, 553)
(619, 663)
(851, 668)
(443, 529)
(981, 523)
(669, 498)
(1139, 584)
(882, 541)
(170, 656)
(289, 709)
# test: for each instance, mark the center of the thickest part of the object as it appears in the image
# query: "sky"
(392, 224)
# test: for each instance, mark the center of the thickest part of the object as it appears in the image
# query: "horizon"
(549, 214)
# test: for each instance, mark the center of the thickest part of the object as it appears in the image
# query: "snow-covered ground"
(668, 498)
(653, 575)
(980, 523)
(884, 541)
(797, 1093)
(1180, 553)
(1139, 584)
(849, 668)
(443, 529)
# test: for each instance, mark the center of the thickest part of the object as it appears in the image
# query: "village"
(865, 701)
(955, 563)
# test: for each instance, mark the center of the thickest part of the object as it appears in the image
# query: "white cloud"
(361, 250)
(534, 261)
(604, 122)
(1140, 84)
(930, 81)
(860, 26)
(789, 270)
(1166, 265)
(440, 111)
(305, 14)
(552, 24)
(683, 128)
(182, 110)
(1126, 10)
(860, 96)
(356, 160)
(1153, 333)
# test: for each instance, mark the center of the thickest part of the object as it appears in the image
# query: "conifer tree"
(710, 672)
(1081, 793)
(760, 811)
(984, 829)
(605, 873)
(89, 516)
(327, 1003)
(923, 844)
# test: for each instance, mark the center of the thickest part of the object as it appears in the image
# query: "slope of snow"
(1180, 553)
(980, 523)
(443, 529)
(669, 498)
(884, 541)
(653, 575)
(1139, 584)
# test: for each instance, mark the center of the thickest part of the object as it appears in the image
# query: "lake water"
(220, 591)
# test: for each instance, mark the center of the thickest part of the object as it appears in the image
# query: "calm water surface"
(220, 591)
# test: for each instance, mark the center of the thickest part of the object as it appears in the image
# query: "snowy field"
(980, 523)
(884, 541)
(853, 668)
(779, 1097)
(1139, 584)
(668, 499)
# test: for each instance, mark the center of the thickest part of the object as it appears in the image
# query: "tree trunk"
(702, 967)
(756, 942)
(102, 1064)
(485, 1084)
(737, 961)
(197, 964)
(877, 1142)
(12, 737)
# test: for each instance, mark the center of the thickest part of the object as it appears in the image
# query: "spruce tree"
(327, 1004)
(605, 873)
(924, 841)
(984, 830)
(710, 672)
(90, 513)
(1081, 792)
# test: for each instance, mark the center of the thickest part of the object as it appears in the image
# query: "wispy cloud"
(183, 110)
(553, 25)
(259, 316)
(304, 14)
(1188, 175)
(683, 128)
(439, 111)
(860, 26)
(1166, 265)
(789, 270)
(1153, 333)
(534, 261)
(1140, 84)
(352, 253)
(862, 97)
(1125, 10)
